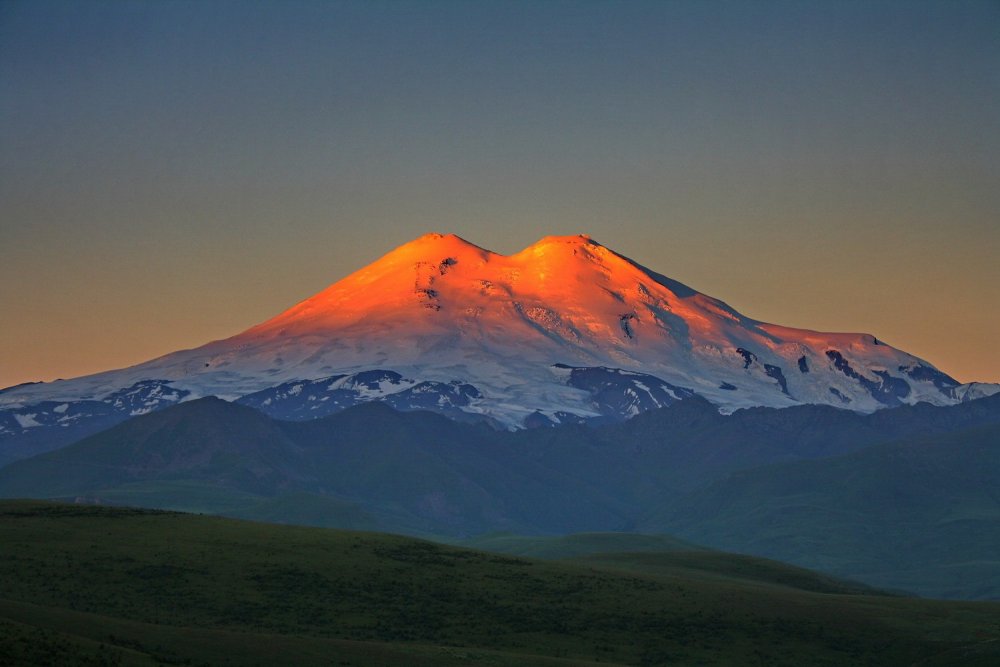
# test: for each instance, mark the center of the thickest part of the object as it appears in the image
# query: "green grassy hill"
(577, 544)
(921, 514)
(724, 567)
(100, 585)
(668, 556)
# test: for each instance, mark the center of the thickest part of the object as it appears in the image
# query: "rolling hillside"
(910, 477)
(919, 514)
(83, 584)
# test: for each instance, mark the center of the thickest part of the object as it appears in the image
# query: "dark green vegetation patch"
(140, 587)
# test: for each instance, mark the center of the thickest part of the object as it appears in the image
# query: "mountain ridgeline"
(565, 331)
(903, 498)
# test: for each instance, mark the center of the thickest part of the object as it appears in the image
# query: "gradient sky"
(174, 172)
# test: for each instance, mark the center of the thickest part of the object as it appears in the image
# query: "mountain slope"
(372, 467)
(663, 555)
(578, 545)
(565, 330)
(919, 514)
(420, 472)
(177, 589)
(231, 445)
(413, 472)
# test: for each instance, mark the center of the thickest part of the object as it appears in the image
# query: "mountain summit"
(565, 330)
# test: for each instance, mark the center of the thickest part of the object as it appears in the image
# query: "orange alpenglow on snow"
(440, 309)
(562, 289)
(589, 286)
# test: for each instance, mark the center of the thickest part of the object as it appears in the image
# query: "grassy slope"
(577, 544)
(202, 497)
(174, 587)
(724, 567)
(48, 636)
(922, 514)
(665, 556)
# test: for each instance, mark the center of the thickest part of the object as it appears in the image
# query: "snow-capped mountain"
(565, 330)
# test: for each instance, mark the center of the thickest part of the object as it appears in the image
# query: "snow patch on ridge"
(26, 421)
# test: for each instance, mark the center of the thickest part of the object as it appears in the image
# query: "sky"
(174, 172)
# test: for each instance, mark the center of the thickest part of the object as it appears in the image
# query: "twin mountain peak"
(564, 330)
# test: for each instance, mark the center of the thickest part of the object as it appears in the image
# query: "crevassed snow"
(501, 323)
